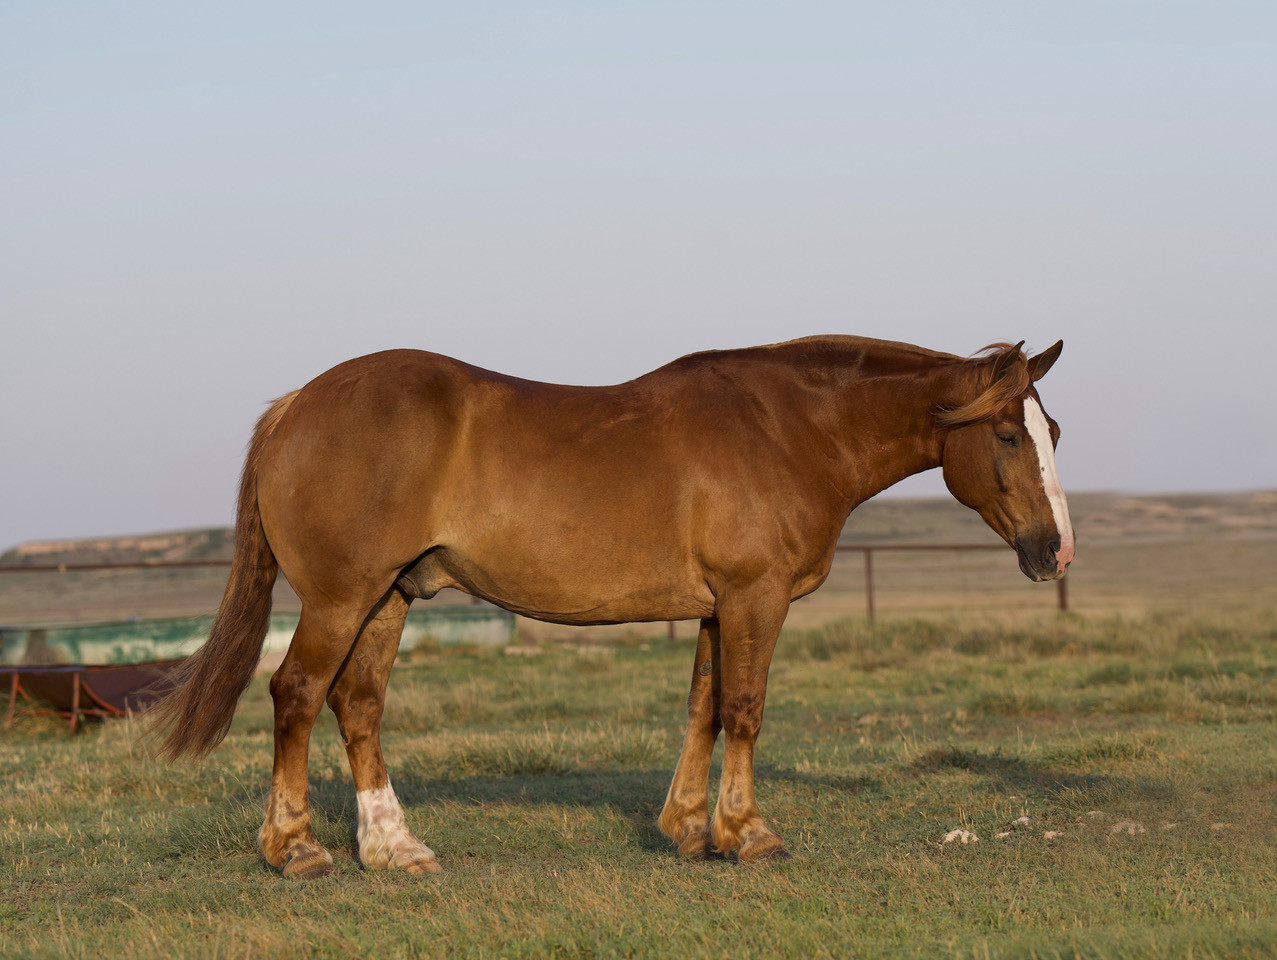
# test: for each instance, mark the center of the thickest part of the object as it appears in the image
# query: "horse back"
(580, 504)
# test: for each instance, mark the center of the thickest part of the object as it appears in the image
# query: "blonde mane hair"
(1003, 376)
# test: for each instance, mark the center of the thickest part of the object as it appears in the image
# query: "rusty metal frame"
(85, 700)
(79, 687)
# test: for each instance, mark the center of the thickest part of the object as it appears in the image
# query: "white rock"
(1129, 827)
(1052, 834)
(1020, 822)
(961, 836)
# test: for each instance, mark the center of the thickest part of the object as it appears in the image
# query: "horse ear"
(1039, 365)
(1005, 361)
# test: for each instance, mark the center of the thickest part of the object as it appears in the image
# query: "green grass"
(537, 780)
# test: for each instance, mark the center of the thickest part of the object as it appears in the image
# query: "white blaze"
(1040, 434)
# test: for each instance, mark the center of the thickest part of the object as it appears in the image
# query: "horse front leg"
(685, 818)
(358, 698)
(750, 624)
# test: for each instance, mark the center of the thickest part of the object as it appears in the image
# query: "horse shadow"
(1008, 772)
(636, 796)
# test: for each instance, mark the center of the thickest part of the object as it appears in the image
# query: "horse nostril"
(1051, 551)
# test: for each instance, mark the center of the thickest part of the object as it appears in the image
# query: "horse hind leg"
(323, 638)
(685, 818)
(357, 698)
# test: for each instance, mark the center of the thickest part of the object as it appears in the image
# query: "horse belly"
(579, 584)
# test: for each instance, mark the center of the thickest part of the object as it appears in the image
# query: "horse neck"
(887, 429)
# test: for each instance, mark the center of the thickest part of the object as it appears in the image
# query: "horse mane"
(1003, 376)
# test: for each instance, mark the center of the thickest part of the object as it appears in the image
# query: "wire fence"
(869, 549)
(88, 589)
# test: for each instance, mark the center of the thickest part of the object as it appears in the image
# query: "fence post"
(869, 582)
(1063, 586)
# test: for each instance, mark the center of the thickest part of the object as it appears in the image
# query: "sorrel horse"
(713, 488)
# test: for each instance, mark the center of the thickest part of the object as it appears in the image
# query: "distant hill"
(1096, 517)
(212, 544)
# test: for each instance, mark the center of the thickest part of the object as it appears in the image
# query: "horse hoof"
(430, 866)
(695, 846)
(767, 846)
(408, 853)
(309, 868)
(763, 856)
(779, 853)
(420, 866)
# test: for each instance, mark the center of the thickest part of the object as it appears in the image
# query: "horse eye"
(1010, 439)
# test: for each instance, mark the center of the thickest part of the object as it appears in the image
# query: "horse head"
(999, 460)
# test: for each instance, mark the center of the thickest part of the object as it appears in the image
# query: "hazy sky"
(204, 206)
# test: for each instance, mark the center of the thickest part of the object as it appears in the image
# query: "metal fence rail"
(121, 565)
(869, 549)
(866, 549)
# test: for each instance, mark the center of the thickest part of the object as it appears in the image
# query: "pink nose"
(1064, 556)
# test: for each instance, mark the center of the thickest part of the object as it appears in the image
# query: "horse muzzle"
(1040, 558)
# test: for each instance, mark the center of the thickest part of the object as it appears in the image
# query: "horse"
(713, 488)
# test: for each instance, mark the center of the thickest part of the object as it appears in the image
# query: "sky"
(204, 206)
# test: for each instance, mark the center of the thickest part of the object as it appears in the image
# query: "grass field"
(537, 781)
(1137, 736)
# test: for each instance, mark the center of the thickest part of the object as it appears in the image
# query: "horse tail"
(193, 718)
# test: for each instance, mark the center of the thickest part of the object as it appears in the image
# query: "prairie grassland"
(1136, 734)
(1146, 745)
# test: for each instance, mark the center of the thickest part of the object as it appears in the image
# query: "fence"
(867, 550)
